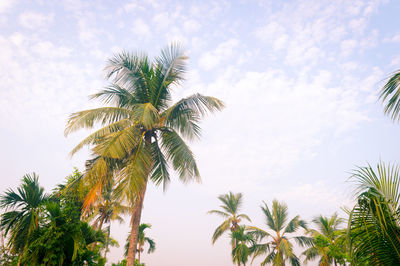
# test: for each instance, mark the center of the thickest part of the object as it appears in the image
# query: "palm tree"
(231, 205)
(390, 96)
(328, 241)
(142, 131)
(24, 208)
(279, 247)
(106, 209)
(244, 243)
(143, 239)
(374, 225)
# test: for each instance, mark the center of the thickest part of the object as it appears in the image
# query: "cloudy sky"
(299, 79)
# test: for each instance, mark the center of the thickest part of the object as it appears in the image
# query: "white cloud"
(358, 25)
(141, 29)
(348, 46)
(162, 20)
(394, 39)
(191, 26)
(273, 33)
(45, 48)
(88, 34)
(176, 35)
(132, 6)
(317, 195)
(274, 121)
(223, 52)
(33, 20)
(395, 61)
(6, 4)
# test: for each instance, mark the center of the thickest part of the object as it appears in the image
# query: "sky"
(300, 80)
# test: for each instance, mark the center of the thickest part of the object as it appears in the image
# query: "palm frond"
(295, 224)
(220, 213)
(103, 115)
(390, 96)
(171, 66)
(186, 113)
(222, 228)
(115, 94)
(180, 155)
(100, 134)
(119, 144)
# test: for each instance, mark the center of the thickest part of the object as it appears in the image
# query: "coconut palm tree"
(244, 243)
(142, 240)
(328, 241)
(390, 96)
(143, 131)
(23, 211)
(374, 225)
(231, 205)
(279, 247)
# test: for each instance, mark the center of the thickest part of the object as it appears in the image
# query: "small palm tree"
(279, 247)
(108, 208)
(142, 240)
(231, 205)
(328, 241)
(244, 243)
(24, 211)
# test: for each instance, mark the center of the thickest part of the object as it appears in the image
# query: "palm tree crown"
(24, 207)
(231, 205)
(279, 247)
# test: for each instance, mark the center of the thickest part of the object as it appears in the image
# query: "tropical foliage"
(244, 243)
(47, 229)
(374, 226)
(24, 208)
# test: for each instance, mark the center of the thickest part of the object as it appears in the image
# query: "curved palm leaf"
(390, 96)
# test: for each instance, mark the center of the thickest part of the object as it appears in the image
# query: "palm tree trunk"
(139, 255)
(137, 212)
(135, 222)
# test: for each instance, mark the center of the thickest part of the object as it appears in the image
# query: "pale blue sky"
(299, 78)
